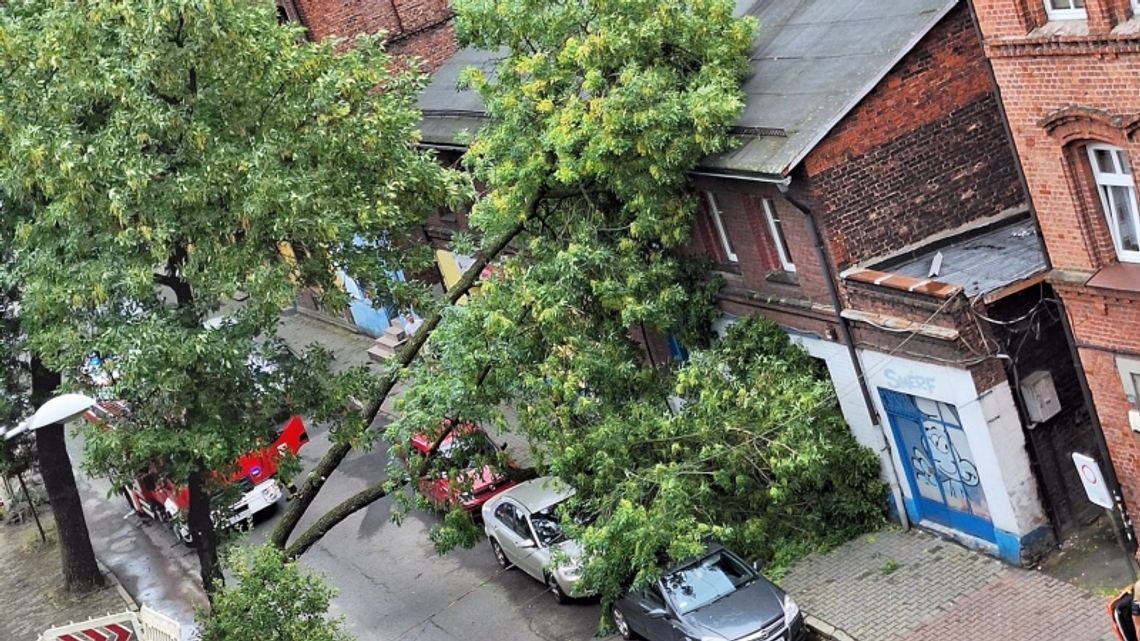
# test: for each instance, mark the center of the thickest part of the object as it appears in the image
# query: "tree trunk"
(329, 462)
(80, 570)
(338, 513)
(203, 532)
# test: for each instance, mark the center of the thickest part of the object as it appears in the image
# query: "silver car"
(523, 528)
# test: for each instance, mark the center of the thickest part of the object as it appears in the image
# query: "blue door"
(373, 320)
(944, 482)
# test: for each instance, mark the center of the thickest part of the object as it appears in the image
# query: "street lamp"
(60, 409)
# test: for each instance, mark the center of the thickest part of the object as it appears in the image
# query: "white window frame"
(1072, 13)
(718, 222)
(1118, 179)
(1135, 8)
(778, 238)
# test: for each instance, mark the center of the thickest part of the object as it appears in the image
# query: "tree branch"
(332, 459)
(368, 496)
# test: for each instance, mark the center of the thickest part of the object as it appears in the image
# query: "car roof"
(540, 493)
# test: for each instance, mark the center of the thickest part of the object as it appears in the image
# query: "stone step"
(389, 340)
(380, 353)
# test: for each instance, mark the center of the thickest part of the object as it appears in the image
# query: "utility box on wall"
(1040, 396)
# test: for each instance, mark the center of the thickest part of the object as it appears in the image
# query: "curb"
(123, 594)
(825, 630)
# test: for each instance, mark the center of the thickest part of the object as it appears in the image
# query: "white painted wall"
(847, 389)
(1000, 410)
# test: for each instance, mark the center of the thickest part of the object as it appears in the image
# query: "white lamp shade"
(16, 431)
(60, 409)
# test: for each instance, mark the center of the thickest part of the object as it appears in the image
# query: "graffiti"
(938, 455)
(923, 471)
(910, 382)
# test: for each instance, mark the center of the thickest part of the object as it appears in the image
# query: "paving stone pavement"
(912, 586)
(32, 597)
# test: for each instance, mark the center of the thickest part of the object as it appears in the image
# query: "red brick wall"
(758, 269)
(1061, 91)
(415, 27)
(1102, 326)
(922, 153)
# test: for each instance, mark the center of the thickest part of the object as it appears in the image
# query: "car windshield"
(461, 448)
(699, 584)
(547, 526)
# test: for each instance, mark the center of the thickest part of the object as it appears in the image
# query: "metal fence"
(144, 625)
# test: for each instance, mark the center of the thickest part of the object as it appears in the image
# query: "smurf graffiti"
(909, 382)
(943, 477)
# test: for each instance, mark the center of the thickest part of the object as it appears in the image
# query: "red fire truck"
(153, 496)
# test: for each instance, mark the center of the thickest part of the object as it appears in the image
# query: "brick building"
(873, 209)
(1069, 76)
(421, 28)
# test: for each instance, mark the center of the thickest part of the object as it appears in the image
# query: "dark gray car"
(717, 597)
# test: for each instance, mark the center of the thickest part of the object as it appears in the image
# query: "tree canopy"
(175, 155)
(597, 111)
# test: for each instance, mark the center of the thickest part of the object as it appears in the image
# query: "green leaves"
(273, 597)
(175, 156)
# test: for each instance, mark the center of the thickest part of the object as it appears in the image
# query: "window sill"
(782, 277)
(1075, 27)
(1120, 277)
(727, 268)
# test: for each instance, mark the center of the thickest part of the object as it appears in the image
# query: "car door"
(536, 557)
(660, 628)
(515, 538)
(502, 525)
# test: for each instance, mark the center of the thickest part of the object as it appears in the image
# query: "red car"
(485, 482)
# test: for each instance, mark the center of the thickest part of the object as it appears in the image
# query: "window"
(778, 236)
(1129, 369)
(718, 222)
(1065, 9)
(1118, 198)
(1135, 8)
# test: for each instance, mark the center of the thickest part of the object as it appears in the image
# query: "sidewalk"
(32, 591)
(912, 586)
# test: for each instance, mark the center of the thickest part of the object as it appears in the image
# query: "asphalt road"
(392, 586)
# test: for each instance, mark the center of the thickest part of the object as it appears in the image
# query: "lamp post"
(80, 570)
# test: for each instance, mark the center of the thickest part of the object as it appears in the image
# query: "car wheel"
(500, 556)
(622, 625)
(555, 589)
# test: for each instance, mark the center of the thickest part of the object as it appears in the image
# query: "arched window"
(1117, 190)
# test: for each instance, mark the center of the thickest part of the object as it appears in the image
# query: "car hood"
(740, 613)
(571, 548)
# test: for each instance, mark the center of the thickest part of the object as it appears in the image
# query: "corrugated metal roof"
(812, 62)
(980, 262)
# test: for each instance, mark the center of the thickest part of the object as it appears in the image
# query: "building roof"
(980, 261)
(812, 62)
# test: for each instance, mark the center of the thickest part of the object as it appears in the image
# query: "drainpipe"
(845, 332)
(1123, 530)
